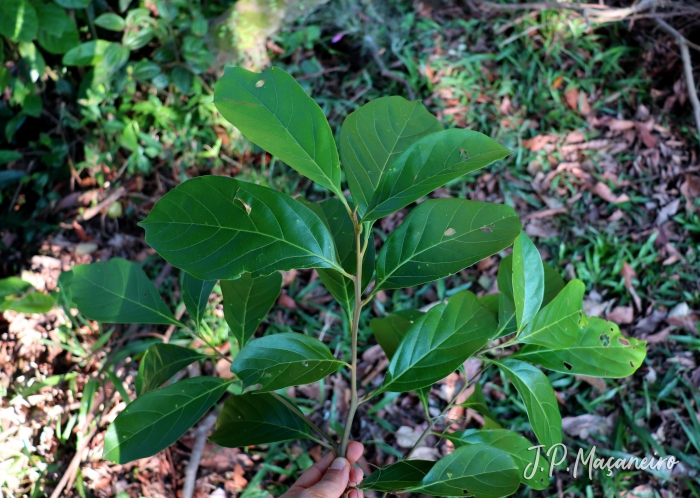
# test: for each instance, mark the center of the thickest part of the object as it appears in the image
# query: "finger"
(314, 473)
(356, 476)
(354, 452)
(334, 481)
(357, 493)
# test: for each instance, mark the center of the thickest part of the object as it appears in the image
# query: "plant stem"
(357, 308)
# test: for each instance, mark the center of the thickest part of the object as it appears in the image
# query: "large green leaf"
(118, 291)
(89, 53)
(333, 212)
(217, 228)
(274, 112)
(439, 342)
(430, 163)
(528, 280)
(252, 419)
(157, 419)
(553, 284)
(538, 397)
(195, 294)
(283, 360)
(58, 32)
(599, 351)
(373, 136)
(397, 476)
(160, 363)
(18, 20)
(477, 402)
(476, 470)
(247, 301)
(33, 302)
(556, 325)
(390, 330)
(13, 285)
(516, 446)
(441, 237)
(507, 323)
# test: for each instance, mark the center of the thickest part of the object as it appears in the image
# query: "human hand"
(330, 476)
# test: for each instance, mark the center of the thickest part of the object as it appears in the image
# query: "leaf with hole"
(247, 301)
(528, 280)
(118, 291)
(529, 463)
(438, 343)
(599, 351)
(441, 237)
(429, 163)
(397, 476)
(373, 136)
(556, 325)
(157, 419)
(195, 294)
(283, 360)
(254, 419)
(160, 363)
(275, 113)
(476, 470)
(217, 228)
(538, 397)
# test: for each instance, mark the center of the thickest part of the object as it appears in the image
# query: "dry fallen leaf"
(538, 142)
(620, 124)
(691, 191)
(584, 425)
(646, 137)
(603, 191)
(286, 302)
(407, 436)
(628, 273)
(572, 97)
(667, 211)
(584, 107)
(621, 314)
(575, 137)
(596, 382)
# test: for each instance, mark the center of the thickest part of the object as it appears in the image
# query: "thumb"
(334, 481)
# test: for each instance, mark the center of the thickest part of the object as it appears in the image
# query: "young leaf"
(273, 111)
(160, 363)
(157, 419)
(528, 280)
(333, 212)
(195, 293)
(515, 445)
(247, 301)
(390, 330)
(397, 476)
(217, 228)
(556, 325)
(373, 136)
(477, 402)
(118, 291)
(252, 419)
(283, 360)
(539, 399)
(600, 351)
(439, 342)
(441, 237)
(428, 164)
(476, 470)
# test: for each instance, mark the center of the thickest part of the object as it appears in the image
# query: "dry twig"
(200, 442)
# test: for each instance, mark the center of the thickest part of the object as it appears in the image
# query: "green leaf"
(157, 419)
(476, 470)
(390, 330)
(34, 302)
(430, 163)
(516, 446)
(477, 402)
(10, 176)
(275, 113)
(86, 54)
(334, 214)
(115, 57)
(398, 476)
(138, 38)
(556, 325)
(182, 79)
(441, 237)
(118, 291)
(538, 397)
(160, 363)
(73, 4)
(528, 280)
(283, 360)
(599, 351)
(37, 68)
(247, 301)
(553, 284)
(110, 21)
(58, 32)
(195, 294)
(439, 342)
(253, 419)
(217, 228)
(18, 20)
(9, 156)
(13, 285)
(373, 136)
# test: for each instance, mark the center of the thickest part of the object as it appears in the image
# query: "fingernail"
(339, 463)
